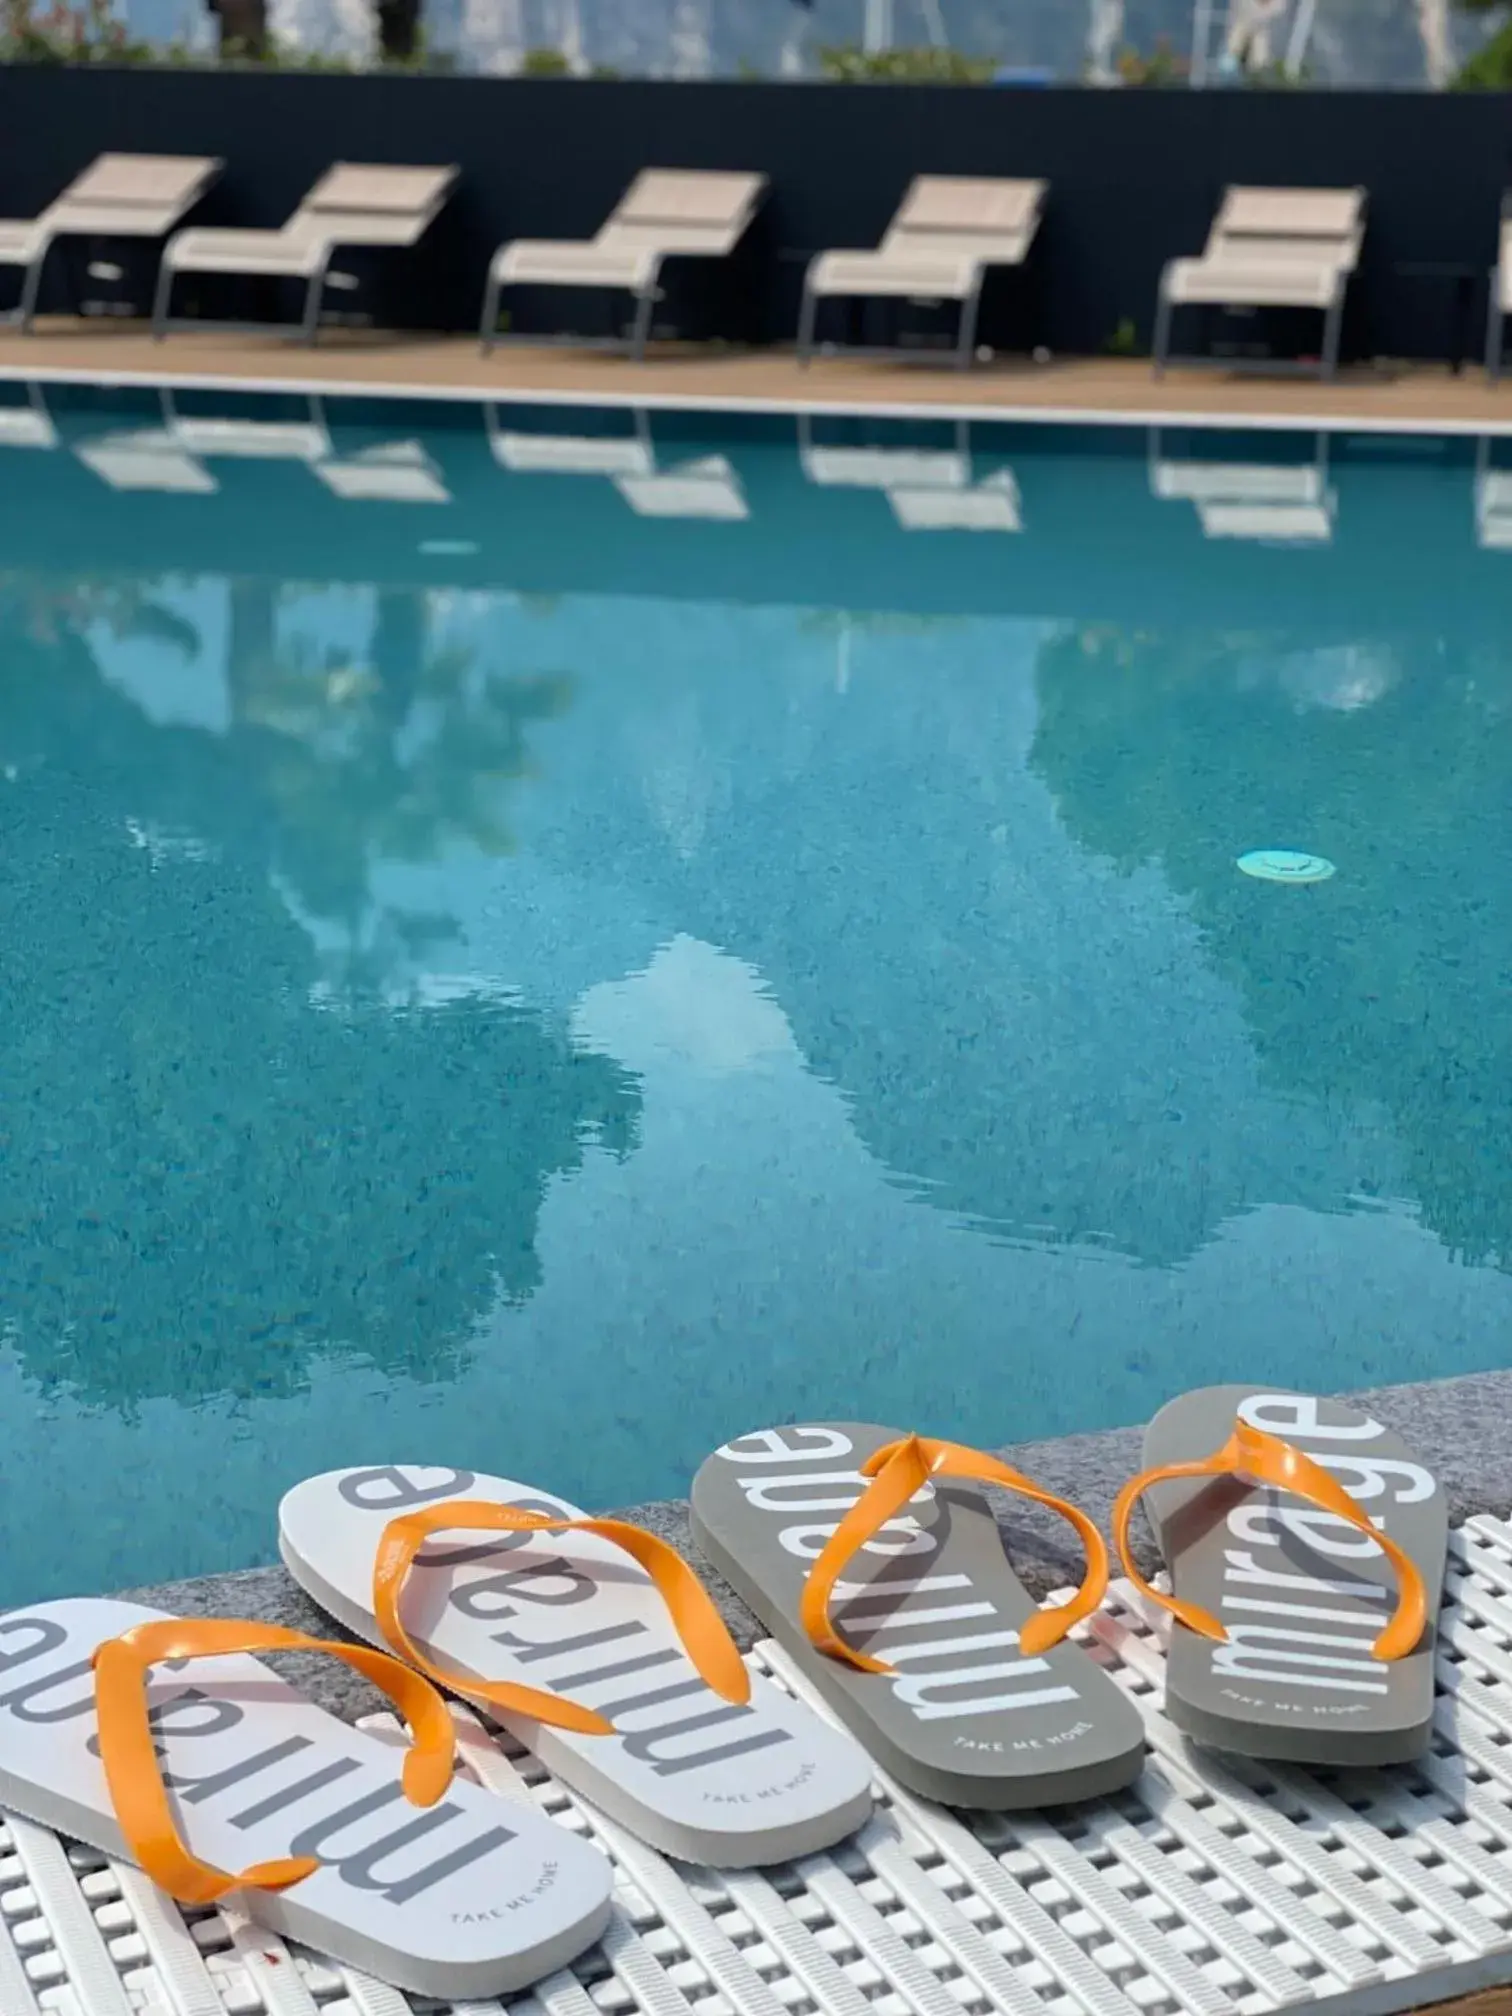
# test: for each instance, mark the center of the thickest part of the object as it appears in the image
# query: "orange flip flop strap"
(134, 1771)
(697, 1622)
(897, 1472)
(1250, 1452)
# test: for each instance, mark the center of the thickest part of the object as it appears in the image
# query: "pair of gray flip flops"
(964, 1717)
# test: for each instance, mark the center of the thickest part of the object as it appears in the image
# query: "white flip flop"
(455, 1894)
(703, 1760)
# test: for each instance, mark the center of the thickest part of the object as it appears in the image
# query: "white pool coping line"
(740, 402)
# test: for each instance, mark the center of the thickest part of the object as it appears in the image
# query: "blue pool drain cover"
(1279, 864)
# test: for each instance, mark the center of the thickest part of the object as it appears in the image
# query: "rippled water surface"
(543, 942)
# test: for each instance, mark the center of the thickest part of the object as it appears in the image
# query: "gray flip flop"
(1302, 1596)
(963, 1716)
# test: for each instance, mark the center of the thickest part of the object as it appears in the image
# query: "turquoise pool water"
(539, 946)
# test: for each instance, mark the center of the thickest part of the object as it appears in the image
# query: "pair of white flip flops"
(109, 1734)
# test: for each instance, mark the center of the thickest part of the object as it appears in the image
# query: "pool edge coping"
(1458, 1426)
(769, 404)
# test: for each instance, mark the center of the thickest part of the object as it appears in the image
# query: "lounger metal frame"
(1234, 487)
(1327, 366)
(645, 297)
(307, 328)
(962, 351)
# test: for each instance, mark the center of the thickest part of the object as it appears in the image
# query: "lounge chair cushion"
(1255, 282)
(946, 230)
(677, 197)
(352, 204)
(665, 213)
(959, 204)
(117, 196)
(920, 276)
(566, 262)
(362, 187)
(290, 251)
(20, 241)
(1274, 247)
(162, 182)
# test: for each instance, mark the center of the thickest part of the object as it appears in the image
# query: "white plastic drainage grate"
(1209, 1888)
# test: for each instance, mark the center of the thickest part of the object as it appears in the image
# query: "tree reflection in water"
(221, 1157)
(1384, 990)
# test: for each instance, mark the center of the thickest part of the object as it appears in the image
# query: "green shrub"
(1491, 68)
(846, 64)
(1158, 71)
(89, 33)
(545, 63)
(1276, 77)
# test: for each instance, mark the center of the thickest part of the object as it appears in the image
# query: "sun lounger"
(1270, 248)
(1500, 304)
(352, 205)
(117, 196)
(704, 486)
(665, 214)
(948, 231)
(1290, 501)
(930, 490)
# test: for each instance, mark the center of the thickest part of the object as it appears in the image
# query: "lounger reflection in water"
(174, 456)
(1291, 502)
(1493, 502)
(929, 489)
(30, 425)
(703, 486)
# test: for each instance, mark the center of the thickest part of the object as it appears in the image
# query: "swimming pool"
(542, 940)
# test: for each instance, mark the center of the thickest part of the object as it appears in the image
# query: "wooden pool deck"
(1405, 398)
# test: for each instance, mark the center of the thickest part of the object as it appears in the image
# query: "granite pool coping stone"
(1462, 1428)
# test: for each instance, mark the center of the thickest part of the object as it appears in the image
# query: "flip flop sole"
(471, 1897)
(693, 1775)
(1301, 1595)
(964, 1718)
